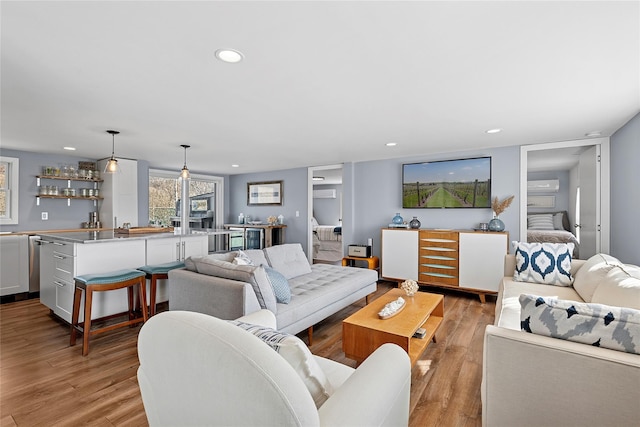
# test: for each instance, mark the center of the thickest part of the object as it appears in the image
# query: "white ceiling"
(321, 82)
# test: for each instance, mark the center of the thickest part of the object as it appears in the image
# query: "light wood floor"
(43, 381)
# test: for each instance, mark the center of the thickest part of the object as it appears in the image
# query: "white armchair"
(196, 369)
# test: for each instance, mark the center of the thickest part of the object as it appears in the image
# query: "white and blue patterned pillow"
(617, 328)
(546, 263)
(280, 285)
(297, 354)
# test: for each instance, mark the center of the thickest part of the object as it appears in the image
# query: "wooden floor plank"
(44, 381)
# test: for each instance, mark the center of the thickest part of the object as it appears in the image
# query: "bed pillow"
(558, 221)
(546, 263)
(314, 222)
(592, 273)
(296, 353)
(289, 259)
(598, 325)
(540, 222)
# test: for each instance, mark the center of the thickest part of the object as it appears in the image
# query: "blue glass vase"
(397, 219)
(496, 224)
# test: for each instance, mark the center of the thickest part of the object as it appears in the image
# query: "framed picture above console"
(462, 183)
(264, 193)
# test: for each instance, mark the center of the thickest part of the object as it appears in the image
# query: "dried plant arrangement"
(500, 206)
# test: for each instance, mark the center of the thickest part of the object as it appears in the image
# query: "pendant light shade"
(112, 164)
(184, 174)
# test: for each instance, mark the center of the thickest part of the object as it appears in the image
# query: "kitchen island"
(66, 255)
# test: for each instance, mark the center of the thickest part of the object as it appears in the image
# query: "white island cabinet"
(64, 256)
(169, 249)
(14, 270)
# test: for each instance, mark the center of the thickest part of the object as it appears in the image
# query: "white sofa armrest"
(261, 317)
(376, 394)
(534, 380)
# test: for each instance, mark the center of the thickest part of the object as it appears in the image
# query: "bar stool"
(102, 282)
(155, 273)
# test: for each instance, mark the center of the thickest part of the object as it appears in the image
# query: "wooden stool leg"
(143, 297)
(130, 303)
(77, 296)
(88, 299)
(152, 297)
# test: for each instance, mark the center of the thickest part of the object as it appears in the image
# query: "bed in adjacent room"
(551, 227)
(327, 243)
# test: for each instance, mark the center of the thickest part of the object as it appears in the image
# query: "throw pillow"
(619, 288)
(540, 222)
(557, 221)
(599, 325)
(289, 259)
(279, 284)
(546, 263)
(254, 275)
(242, 259)
(256, 256)
(591, 273)
(296, 353)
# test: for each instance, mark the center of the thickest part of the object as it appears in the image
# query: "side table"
(373, 263)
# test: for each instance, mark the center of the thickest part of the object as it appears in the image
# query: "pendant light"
(184, 174)
(112, 164)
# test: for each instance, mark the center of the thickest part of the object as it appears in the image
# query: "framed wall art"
(264, 193)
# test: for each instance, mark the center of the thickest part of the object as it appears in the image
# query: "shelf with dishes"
(68, 192)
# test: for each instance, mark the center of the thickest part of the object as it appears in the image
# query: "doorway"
(586, 163)
(324, 224)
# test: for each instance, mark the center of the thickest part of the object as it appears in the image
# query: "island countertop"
(93, 236)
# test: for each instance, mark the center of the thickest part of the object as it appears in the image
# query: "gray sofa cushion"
(256, 256)
(325, 285)
(254, 275)
(289, 259)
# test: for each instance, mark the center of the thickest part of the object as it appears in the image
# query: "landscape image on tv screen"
(464, 183)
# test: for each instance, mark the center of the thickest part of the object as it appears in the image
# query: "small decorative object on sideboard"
(414, 223)
(398, 222)
(410, 287)
(397, 219)
(498, 207)
(272, 220)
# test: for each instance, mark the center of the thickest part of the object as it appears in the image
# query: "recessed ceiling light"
(391, 144)
(318, 178)
(229, 55)
(496, 130)
(235, 166)
(593, 133)
(70, 148)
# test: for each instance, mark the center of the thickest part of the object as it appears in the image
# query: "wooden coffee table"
(363, 332)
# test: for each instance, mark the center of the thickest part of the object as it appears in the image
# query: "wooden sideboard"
(467, 260)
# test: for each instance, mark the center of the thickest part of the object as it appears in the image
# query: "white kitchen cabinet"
(120, 195)
(168, 249)
(14, 271)
(61, 261)
(399, 254)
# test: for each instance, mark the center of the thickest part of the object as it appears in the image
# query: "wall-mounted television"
(462, 183)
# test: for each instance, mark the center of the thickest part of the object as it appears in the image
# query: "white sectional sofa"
(217, 286)
(530, 379)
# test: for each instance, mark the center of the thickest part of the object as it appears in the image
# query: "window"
(205, 199)
(8, 190)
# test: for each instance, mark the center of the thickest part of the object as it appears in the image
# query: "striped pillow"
(294, 351)
(540, 222)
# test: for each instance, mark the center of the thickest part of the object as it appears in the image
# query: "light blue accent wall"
(61, 216)
(378, 196)
(294, 199)
(625, 192)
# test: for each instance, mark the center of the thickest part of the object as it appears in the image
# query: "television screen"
(463, 183)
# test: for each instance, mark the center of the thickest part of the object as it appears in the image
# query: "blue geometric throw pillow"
(599, 325)
(546, 263)
(280, 285)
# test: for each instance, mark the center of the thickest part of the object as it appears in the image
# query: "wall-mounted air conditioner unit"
(324, 193)
(543, 186)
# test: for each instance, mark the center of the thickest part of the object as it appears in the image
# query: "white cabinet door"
(14, 272)
(162, 250)
(400, 254)
(120, 195)
(194, 246)
(482, 260)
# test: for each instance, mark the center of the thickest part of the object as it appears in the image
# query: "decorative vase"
(496, 224)
(397, 219)
(414, 223)
(410, 287)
